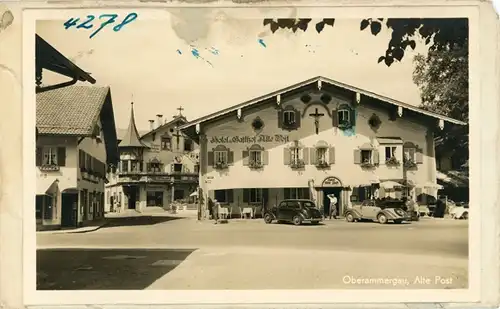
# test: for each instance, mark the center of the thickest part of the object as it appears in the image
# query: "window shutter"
(297, 119)
(38, 159)
(376, 158)
(61, 156)
(331, 155)
(286, 193)
(312, 156)
(305, 155)
(419, 156)
(352, 115)
(245, 157)
(230, 196)
(355, 192)
(230, 157)
(357, 156)
(246, 195)
(265, 157)
(280, 119)
(210, 158)
(335, 118)
(286, 156)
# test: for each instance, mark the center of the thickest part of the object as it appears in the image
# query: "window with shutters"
(366, 156)
(255, 157)
(391, 155)
(345, 117)
(295, 155)
(154, 166)
(289, 118)
(220, 157)
(50, 158)
(412, 155)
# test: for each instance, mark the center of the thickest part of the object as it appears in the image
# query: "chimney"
(159, 119)
(151, 124)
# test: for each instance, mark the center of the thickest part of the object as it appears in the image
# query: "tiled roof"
(71, 110)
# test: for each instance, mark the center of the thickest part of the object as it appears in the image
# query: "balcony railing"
(172, 177)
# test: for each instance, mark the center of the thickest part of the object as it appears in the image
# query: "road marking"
(167, 263)
(123, 257)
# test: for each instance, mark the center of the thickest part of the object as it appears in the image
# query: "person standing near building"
(333, 206)
(210, 208)
(215, 211)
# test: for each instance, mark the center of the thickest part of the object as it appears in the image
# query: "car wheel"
(465, 216)
(382, 219)
(297, 220)
(398, 221)
(268, 218)
(349, 217)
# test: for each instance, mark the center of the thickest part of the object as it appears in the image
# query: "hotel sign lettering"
(277, 138)
(331, 182)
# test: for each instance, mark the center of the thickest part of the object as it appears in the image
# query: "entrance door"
(132, 197)
(326, 201)
(69, 209)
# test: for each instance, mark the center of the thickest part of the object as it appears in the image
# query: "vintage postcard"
(255, 155)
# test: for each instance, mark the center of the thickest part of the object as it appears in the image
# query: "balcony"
(144, 177)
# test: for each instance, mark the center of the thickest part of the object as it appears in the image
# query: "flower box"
(367, 165)
(220, 165)
(345, 125)
(410, 163)
(49, 168)
(392, 162)
(322, 164)
(255, 164)
(297, 164)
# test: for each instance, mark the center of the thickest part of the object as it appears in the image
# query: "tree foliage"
(437, 33)
(443, 79)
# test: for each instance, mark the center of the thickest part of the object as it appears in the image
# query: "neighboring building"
(75, 139)
(156, 169)
(311, 139)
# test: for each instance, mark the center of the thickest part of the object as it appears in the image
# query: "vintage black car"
(296, 211)
(381, 211)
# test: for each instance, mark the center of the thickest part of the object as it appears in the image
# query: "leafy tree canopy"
(437, 33)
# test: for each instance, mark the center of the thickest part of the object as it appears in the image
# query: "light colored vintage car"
(460, 211)
(374, 210)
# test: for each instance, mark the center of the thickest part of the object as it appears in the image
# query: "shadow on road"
(103, 269)
(138, 220)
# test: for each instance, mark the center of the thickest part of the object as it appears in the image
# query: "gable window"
(296, 193)
(289, 118)
(50, 158)
(188, 145)
(221, 157)
(344, 117)
(166, 143)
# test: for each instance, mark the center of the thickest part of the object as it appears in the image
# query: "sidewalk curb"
(91, 229)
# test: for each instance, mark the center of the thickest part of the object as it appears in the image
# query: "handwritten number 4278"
(108, 19)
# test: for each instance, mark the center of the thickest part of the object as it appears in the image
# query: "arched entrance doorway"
(331, 185)
(69, 207)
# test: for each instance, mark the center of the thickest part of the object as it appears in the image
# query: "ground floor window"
(296, 193)
(154, 198)
(39, 207)
(255, 196)
(178, 194)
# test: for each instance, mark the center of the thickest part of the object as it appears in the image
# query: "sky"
(208, 62)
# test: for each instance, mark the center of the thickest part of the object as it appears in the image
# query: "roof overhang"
(49, 58)
(192, 128)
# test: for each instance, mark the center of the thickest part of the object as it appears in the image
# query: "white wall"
(276, 174)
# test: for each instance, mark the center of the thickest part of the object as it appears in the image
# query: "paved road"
(253, 255)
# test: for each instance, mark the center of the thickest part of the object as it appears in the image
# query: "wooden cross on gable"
(316, 116)
(180, 109)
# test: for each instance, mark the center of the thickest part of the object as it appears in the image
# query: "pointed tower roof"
(131, 137)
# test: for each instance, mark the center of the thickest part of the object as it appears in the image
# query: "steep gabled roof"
(131, 137)
(181, 119)
(312, 82)
(72, 110)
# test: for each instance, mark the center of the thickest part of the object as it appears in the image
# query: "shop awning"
(389, 140)
(43, 189)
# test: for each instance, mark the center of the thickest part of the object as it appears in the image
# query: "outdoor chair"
(246, 211)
